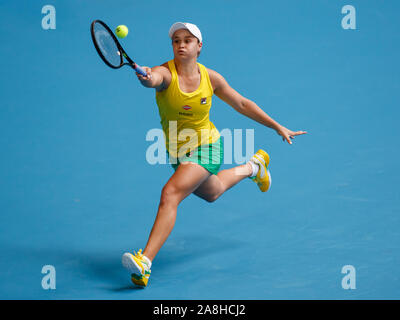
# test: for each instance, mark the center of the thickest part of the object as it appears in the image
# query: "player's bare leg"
(216, 185)
(211, 189)
(182, 183)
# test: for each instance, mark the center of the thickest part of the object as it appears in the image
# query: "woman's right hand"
(143, 78)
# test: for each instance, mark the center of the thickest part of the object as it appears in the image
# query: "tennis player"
(183, 90)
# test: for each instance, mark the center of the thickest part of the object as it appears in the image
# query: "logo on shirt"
(203, 100)
(187, 107)
(189, 154)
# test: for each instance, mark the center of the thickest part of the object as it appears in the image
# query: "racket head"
(106, 44)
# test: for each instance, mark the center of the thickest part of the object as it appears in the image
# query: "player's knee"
(217, 191)
(169, 195)
(212, 198)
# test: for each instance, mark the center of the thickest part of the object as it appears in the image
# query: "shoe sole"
(139, 281)
(270, 180)
(129, 263)
(266, 155)
(264, 158)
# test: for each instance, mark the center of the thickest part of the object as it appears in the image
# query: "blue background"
(76, 190)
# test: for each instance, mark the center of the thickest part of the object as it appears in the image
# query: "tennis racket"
(109, 49)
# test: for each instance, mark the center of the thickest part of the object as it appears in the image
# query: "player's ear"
(200, 46)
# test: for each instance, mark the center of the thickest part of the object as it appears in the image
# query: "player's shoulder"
(216, 79)
(213, 73)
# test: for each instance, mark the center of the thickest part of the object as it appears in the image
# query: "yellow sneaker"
(263, 177)
(139, 267)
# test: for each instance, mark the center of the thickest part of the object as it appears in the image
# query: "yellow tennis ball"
(121, 31)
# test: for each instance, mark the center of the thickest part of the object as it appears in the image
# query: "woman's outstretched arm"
(157, 77)
(247, 107)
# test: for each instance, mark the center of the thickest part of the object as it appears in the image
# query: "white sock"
(148, 261)
(255, 168)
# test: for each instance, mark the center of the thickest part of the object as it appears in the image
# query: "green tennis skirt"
(209, 156)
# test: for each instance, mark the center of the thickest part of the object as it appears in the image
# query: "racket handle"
(140, 70)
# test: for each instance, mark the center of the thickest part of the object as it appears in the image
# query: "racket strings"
(106, 44)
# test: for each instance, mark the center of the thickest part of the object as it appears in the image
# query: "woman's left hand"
(288, 134)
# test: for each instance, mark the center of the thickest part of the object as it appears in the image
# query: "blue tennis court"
(77, 190)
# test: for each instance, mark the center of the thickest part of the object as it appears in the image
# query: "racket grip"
(140, 70)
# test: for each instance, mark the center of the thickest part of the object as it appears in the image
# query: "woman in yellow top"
(184, 89)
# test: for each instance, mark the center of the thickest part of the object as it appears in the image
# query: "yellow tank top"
(185, 116)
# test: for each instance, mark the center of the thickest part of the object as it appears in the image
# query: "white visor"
(192, 28)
